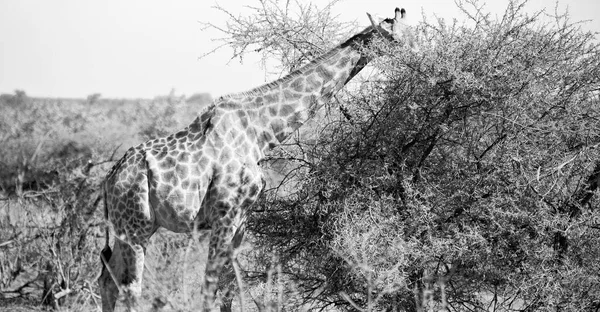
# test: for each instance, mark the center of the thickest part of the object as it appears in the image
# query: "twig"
(350, 301)
(6, 243)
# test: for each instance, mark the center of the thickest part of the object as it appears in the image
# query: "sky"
(145, 48)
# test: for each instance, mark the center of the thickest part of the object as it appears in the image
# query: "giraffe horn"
(400, 14)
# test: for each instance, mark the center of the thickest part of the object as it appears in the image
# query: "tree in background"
(463, 176)
(93, 98)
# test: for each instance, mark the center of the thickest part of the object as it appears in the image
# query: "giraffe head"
(395, 28)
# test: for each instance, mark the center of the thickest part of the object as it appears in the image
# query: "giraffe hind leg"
(129, 210)
(123, 275)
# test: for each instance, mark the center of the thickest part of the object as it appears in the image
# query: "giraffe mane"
(298, 72)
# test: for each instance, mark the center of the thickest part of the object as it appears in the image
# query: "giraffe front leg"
(219, 254)
(228, 277)
(123, 276)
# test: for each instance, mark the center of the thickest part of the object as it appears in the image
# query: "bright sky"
(144, 48)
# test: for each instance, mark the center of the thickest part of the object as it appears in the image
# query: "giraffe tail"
(106, 251)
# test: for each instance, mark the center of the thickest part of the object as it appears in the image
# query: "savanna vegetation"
(55, 154)
(461, 176)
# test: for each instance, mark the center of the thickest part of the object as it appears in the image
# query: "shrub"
(464, 175)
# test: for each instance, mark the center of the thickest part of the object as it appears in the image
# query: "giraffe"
(206, 176)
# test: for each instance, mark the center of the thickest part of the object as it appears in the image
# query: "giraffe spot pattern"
(251, 134)
(232, 167)
(271, 98)
(243, 118)
(281, 136)
(182, 171)
(240, 142)
(169, 177)
(225, 156)
(195, 126)
(273, 110)
(286, 109)
(298, 84)
(185, 183)
(231, 106)
(165, 189)
(291, 96)
(312, 84)
(162, 154)
(203, 163)
(168, 163)
(277, 125)
(184, 157)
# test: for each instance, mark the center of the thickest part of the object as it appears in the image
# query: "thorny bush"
(462, 177)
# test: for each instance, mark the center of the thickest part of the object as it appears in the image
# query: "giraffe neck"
(280, 107)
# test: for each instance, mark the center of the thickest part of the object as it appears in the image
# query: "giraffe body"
(205, 176)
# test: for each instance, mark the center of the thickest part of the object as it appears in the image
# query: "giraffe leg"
(228, 277)
(123, 274)
(219, 253)
(108, 289)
